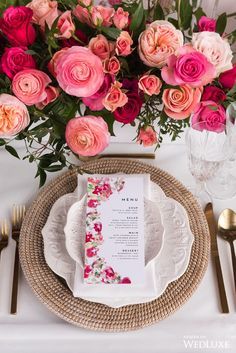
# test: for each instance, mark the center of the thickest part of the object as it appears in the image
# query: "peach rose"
(123, 44)
(66, 26)
(180, 103)
(88, 135)
(45, 11)
(147, 136)
(30, 86)
(102, 15)
(79, 72)
(100, 46)
(52, 65)
(150, 84)
(14, 116)
(160, 40)
(52, 95)
(216, 49)
(115, 98)
(121, 18)
(111, 66)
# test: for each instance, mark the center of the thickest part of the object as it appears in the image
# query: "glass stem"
(199, 187)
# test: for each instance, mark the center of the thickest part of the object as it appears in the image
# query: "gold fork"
(4, 235)
(18, 213)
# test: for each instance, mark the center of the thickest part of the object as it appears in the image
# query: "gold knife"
(215, 256)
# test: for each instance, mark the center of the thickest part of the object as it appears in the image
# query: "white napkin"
(147, 289)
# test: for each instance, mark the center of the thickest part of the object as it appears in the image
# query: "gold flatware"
(4, 233)
(215, 256)
(120, 155)
(18, 213)
(227, 230)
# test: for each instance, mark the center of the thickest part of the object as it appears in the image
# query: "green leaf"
(12, 151)
(54, 168)
(199, 13)
(184, 11)
(2, 142)
(137, 17)
(221, 23)
(113, 33)
(232, 91)
(158, 13)
(174, 22)
(42, 177)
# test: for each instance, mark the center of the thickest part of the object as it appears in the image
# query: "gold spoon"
(227, 230)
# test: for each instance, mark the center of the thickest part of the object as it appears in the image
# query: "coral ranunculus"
(88, 135)
(30, 86)
(216, 49)
(16, 26)
(209, 116)
(52, 94)
(189, 67)
(79, 72)
(160, 40)
(14, 116)
(16, 59)
(180, 103)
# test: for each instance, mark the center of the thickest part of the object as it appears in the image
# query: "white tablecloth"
(198, 325)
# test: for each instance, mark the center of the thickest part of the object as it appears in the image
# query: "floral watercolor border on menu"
(69, 69)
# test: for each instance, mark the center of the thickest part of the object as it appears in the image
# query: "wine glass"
(207, 152)
(231, 129)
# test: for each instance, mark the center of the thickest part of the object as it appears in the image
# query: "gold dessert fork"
(4, 235)
(18, 213)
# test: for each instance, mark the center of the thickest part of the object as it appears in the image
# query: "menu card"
(114, 244)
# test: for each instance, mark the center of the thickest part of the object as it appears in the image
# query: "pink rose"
(14, 116)
(87, 271)
(115, 97)
(180, 103)
(228, 78)
(213, 93)
(44, 12)
(150, 84)
(52, 95)
(147, 136)
(102, 16)
(16, 59)
(16, 26)
(83, 15)
(125, 280)
(121, 18)
(79, 72)
(123, 44)
(30, 86)
(189, 67)
(87, 136)
(92, 203)
(210, 116)
(91, 252)
(89, 237)
(95, 102)
(111, 66)
(100, 47)
(66, 26)
(206, 24)
(158, 42)
(52, 65)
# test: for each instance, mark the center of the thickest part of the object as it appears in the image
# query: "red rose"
(16, 26)
(228, 78)
(16, 59)
(130, 110)
(125, 280)
(87, 271)
(92, 203)
(109, 272)
(212, 93)
(91, 252)
(98, 227)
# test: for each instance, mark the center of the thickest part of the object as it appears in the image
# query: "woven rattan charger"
(58, 298)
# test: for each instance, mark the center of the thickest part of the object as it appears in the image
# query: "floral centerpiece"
(69, 69)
